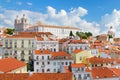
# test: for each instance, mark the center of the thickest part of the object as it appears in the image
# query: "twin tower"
(20, 24)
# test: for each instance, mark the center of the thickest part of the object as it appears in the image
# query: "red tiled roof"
(34, 33)
(42, 52)
(116, 71)
(29, 34)
(102, 72)
(77, 51)
(55, 54)
(9, 64)
(94, 60)
(78, 41)
(39, 39)
(78, 65)
(51, 76)
(19, 36)
(67, 69)
(11, 76)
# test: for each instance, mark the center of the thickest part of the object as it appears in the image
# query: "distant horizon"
(90, 16)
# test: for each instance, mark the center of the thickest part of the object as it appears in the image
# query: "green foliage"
(88, 34)
(10, 31)
(71, 34)
(83, 35)
(110, 36)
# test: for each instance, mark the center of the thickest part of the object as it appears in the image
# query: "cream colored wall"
(26, 48)
(84, 54)
(20, 70)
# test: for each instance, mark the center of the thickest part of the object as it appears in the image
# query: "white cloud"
(63, 18)
(19, 3)
(28, 3)
(113, 20)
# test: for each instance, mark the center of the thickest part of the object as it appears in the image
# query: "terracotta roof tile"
(9, 64)
(11, 76)
(22, 76)
(78, 65)
(102, 72)
(51, 76)
(94, 60)
(42, 52)
(77, 51)
(55, 54)
(116, 71)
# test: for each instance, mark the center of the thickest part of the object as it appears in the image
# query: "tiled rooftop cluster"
(44, 56)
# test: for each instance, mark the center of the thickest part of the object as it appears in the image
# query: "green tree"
(88, 34)
(71, 34)
(110, 36)
(10, 31)
(84, 37)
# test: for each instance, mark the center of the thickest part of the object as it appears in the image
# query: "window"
(95, 65)
(37, 70)
(29, 42)
(48, 62)
(10, 52)
(58, 63)
(80, 58)
(42, 70)
(66, 63)
(54, 70)
(22, 55)
(6, 43)
(42, 57)
(15, 44)
(70, 63)
(62, 63)
(48, 70)
(101, 64)
(106, 63)
(10, 43)
(22, 44)
(48, 57)
(37, 57)
(51, 49)
(54, 50)
(54, 63)
(82, 69)
(29, 52)
(42, 63)
(32, 44)
(88, 75)
(37, 63)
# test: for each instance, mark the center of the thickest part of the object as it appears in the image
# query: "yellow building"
(11, 65)
(80, 56)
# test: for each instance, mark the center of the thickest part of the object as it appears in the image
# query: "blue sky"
(96, 14)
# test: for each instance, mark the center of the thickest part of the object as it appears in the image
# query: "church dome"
(111, 31)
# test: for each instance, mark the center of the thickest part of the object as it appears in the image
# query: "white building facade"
(49, 63)
(59, 31)
(79, 72)
(52, 45)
